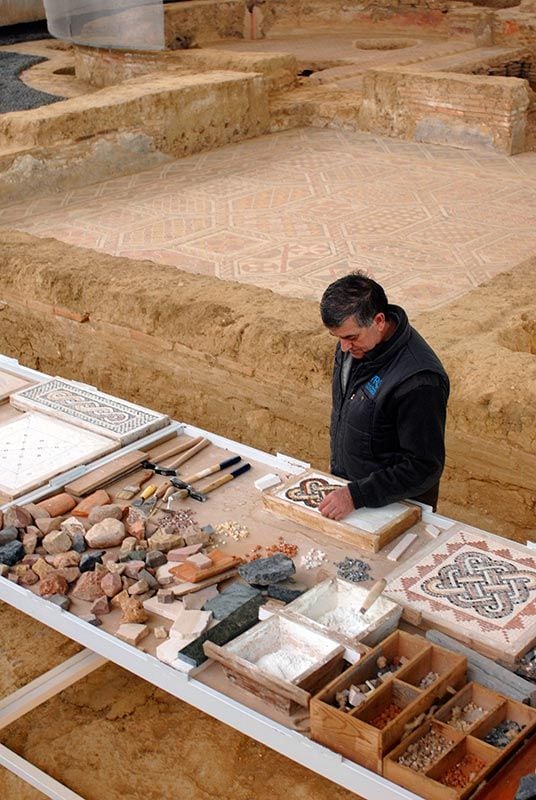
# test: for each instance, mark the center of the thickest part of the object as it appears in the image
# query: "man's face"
(357, 340)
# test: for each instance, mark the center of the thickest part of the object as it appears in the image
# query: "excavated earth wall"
(255, 366)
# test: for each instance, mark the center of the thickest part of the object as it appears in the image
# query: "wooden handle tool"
(373, 595)
(176, 462)
(147, 492)
(223, 479)
(204, 473)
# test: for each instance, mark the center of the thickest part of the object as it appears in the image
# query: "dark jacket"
(388, 424)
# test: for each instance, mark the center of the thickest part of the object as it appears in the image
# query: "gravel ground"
(14, 94)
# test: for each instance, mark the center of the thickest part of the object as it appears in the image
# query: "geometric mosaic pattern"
(34, 448)
(91, 409)
(477, 587)
(295, 210)
(489, 587)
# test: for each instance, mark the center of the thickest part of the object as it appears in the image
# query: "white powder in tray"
(344, 620)
(284, 663)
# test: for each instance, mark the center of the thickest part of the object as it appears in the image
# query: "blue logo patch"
(371, 388)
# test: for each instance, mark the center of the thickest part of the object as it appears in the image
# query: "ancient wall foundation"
(255, 366)
(446, 108)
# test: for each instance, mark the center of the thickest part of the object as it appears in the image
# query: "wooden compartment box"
(332, 608)
(428, 783)
(431, 782)
(350, 732)
(484, 698)
(280, 661)
(449, 667)
(524, 715)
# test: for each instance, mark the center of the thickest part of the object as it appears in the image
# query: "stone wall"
(255, 366)
(165, 114)
(100, 67)
(469, 111)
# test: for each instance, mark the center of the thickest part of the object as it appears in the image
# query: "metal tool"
(196, 445)
(202, 496)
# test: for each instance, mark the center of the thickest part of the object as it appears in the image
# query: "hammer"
(194, 447)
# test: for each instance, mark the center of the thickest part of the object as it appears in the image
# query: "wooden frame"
(287, 696)
(371, 541)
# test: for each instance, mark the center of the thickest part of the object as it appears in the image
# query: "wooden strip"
(161, 452)
(403, 545)
(121, 465)
(188, 587)
(221, 562)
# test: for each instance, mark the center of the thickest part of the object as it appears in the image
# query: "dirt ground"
(113, 735)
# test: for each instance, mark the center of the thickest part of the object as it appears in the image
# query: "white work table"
(102, 646)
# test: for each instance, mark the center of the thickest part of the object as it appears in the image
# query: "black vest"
(364, 438)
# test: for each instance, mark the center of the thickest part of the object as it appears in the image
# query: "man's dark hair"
(354, 295)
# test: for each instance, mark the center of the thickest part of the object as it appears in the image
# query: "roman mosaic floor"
(293, 211)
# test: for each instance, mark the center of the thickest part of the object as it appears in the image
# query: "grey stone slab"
(487, 672)
(265, 571)
(229, 628)
(8, 535)
(60, 600)
(230, 599)
(286, 591)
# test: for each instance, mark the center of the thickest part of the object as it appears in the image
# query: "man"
(390, 395)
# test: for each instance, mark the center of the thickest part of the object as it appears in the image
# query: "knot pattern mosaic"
(475, 587)
(311, 491)
(90, 409)
(486, 585)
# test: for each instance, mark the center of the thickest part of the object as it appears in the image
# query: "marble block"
(168, 610)
(35, 448)
(90, 409)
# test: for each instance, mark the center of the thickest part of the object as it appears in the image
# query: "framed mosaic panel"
(90, 409)
(477, 588)
(367, 528)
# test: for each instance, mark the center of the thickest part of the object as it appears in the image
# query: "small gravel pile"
(352, 569)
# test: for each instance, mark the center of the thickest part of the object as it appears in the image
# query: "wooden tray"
(239, 659)
(351, 733)
(429, 783)
(336, 593)
(368, 529)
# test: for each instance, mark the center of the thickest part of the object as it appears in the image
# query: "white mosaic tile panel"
(35, 448)
(91, 409)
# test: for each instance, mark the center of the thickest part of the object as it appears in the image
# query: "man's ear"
(380, 320)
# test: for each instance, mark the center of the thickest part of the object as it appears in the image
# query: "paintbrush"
(373, 595)
(128, 492)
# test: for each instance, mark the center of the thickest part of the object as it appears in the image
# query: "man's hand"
(337, 504)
